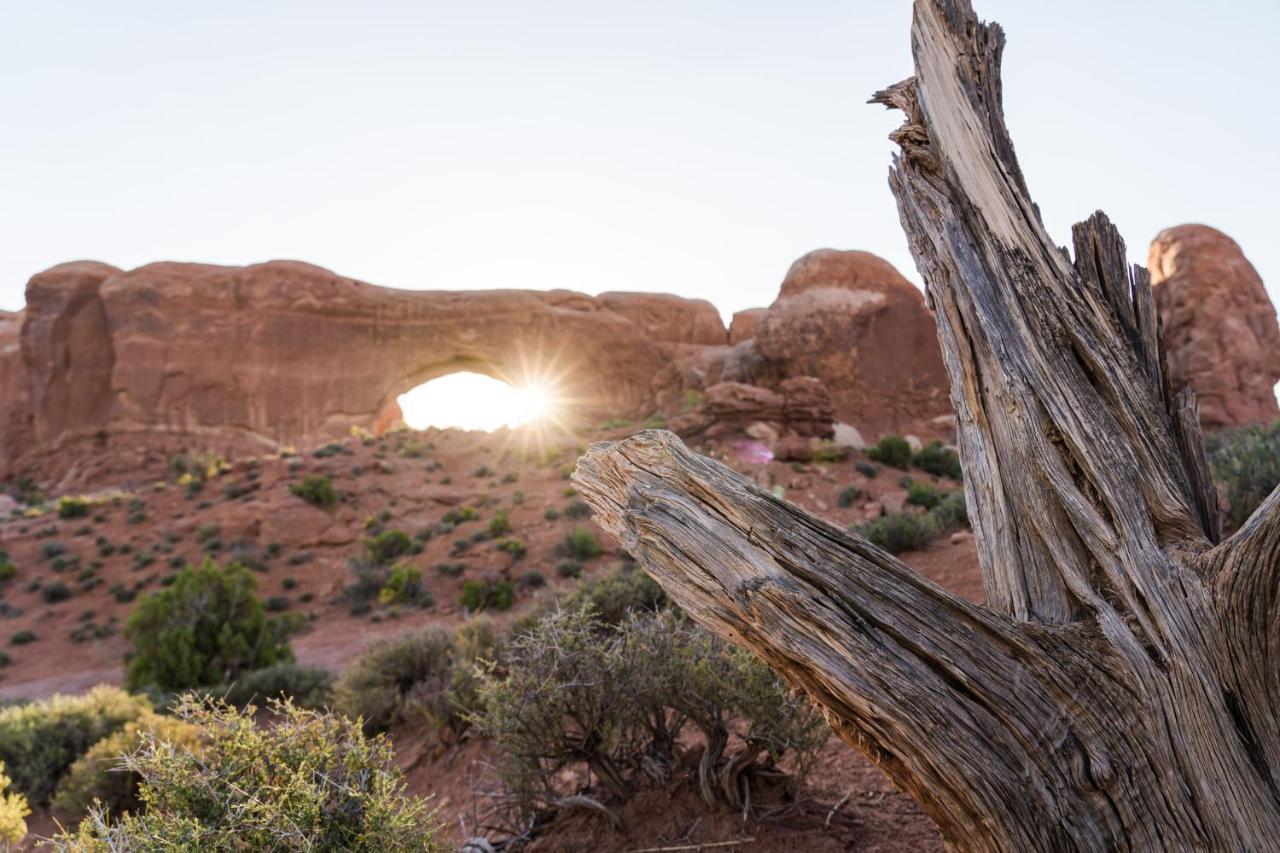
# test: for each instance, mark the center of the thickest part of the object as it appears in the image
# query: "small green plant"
(482, 472)
(551, 513)
(569, 569)
(309, 781)
(848, 496)
(316, 490)
(892, 450)
(39, 741)
(577, 510)
(22, 638)
(204, 630)
(425, 675)
(829, 452)
(478, 595)
(513, 546)
(305, 686)
(499, 525)
(581, 544)
(96, 780)
(900, 531)
(404, 586)
(387, 546)
(923, 495)
(8, 571)
(54, 592)
(69, 507)
(13, 812)
(533, 579)
(938, 460)
(460, 515)
(1246, 463)
(451, 570)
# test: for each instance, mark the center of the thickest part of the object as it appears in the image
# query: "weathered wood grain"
(1120, 689)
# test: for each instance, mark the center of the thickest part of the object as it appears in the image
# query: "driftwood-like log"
(1120, 688)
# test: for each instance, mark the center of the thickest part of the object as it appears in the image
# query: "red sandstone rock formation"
(672, 319)
(850, 319)
(743, 325)
(1219, 325)
(148, 361)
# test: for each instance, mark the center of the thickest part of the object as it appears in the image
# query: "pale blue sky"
(692, 147)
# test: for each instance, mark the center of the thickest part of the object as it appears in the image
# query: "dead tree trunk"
(1119, 691)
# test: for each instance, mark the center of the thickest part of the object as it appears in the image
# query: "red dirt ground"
(407, 481)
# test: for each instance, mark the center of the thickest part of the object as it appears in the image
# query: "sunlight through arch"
(468, 400)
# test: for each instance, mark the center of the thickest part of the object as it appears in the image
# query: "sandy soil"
(129, 543)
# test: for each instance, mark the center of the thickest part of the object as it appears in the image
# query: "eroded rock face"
(743, 325)
(288, 353)
(851, 320)
(1220, 327)
(668, 318)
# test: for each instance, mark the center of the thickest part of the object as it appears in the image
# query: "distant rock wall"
(288, 353)
(1220, 330)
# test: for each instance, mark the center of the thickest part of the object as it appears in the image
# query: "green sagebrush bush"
(1246, 464)
(892, 450)
(204, 630)
(427, 675)
(911, 531)
(574, 690)
(99, 776)
(938, 460)
(305, 686)
(478, 595)
(13, 811)
(39, 741)
(316, 490)
(309, 781)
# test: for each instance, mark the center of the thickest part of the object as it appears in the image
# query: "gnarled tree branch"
(1119, 693)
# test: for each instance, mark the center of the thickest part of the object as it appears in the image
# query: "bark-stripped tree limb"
(1119, 692)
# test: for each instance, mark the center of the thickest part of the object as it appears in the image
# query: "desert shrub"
(613, 597)
(513, 546)
(7, 569)
(404, 586)
(305, 686)
(900, 531)
(460, 515)
(923, 495)
(533, 579)
(310, 781)
(950, 512)
(569, 569)
(23, 637)
(50, 550)
(910, 531)
(97, 776)
(487, 594)
(13, 812)
(551, 513)
(317, 490)
(427, 675)
(55, 592)
(387, 546)
(499, 525)
(577, 509)
(829, 451)
(1246, 463)
(892, 450)
(69, 507)
(451, 570)
(848, 496)
(577, 691)
(581, 544)
(39, 741)
(204, 630)
(938, 460)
